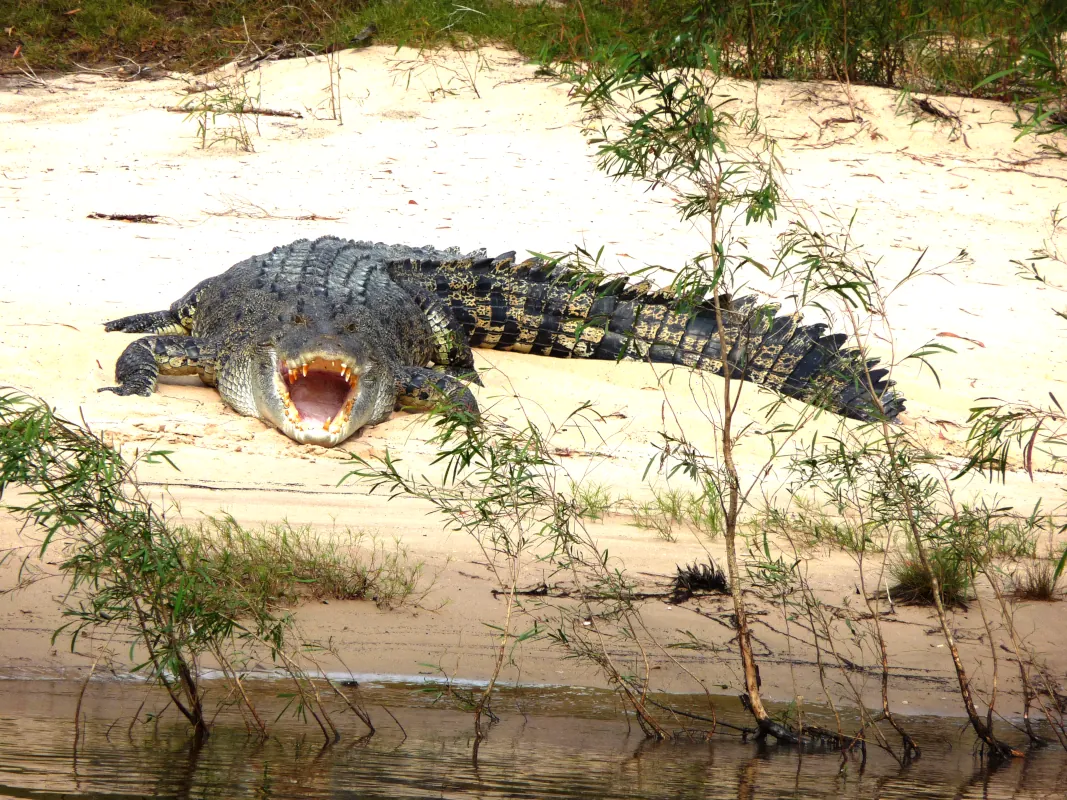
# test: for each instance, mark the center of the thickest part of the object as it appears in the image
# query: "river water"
(549, 743)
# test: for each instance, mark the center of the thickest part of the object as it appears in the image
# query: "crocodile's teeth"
(304, 369)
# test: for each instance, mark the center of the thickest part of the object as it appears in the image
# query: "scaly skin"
(320, 338)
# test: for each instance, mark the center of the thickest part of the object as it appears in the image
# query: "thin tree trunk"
(766, 725)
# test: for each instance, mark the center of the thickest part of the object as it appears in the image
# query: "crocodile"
(319, 338)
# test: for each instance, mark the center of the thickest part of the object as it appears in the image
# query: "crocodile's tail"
(534, 307)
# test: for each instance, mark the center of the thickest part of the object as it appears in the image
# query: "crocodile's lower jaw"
(318, 395)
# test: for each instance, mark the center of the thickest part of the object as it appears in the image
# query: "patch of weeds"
(987, 530)
(442, 73)
(1040, 577)
(195, 34)
(913, 586)
(284, 565)
(670, 508)
(592, 501)
(1008, 51)
(811, 526)
(649, 516)
(232, 101)
(1039, 580)
(1016, 538)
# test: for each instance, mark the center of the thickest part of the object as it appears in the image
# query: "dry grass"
(285, 565)
(1037, 580)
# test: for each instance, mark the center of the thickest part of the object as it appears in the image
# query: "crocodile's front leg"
(449, 340)
(421, 389)
(146, 359)
(158, 322)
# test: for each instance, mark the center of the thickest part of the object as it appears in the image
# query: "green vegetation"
(663, 513)
(914, 585)
(1011, 50)
(284, 566)
(810, 525)
(501, 487)
(592, 500)
(670, 508)
(181, 602)
(198, 34)
(1038, 577)
(231, 101)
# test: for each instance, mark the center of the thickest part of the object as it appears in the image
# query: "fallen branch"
(543, 590)
(149, 219)
(259, 112)
(196, 87)
(927, 106)
(249, 210)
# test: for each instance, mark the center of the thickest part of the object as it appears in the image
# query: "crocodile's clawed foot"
(420, 389)
(127, 390)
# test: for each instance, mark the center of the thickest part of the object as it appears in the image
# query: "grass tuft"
(670, 508)
(1039, 580)
(913, 584)
(282, 565)
(592, 501)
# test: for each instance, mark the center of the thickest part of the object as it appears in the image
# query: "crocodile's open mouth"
(318, 393)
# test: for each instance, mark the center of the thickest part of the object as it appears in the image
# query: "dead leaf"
(1028, 451)
(412, 203)
(951, 335)
(71, 13)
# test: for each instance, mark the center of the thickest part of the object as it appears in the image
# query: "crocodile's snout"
(320, 392)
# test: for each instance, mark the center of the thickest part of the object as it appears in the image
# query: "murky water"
(549, 743)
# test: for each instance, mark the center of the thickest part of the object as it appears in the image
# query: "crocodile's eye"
(350, 327)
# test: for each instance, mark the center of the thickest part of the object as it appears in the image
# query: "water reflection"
(533, 755)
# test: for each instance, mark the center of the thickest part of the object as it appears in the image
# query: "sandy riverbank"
(421, 159)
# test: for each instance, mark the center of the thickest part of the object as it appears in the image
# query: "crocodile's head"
(320, 389)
